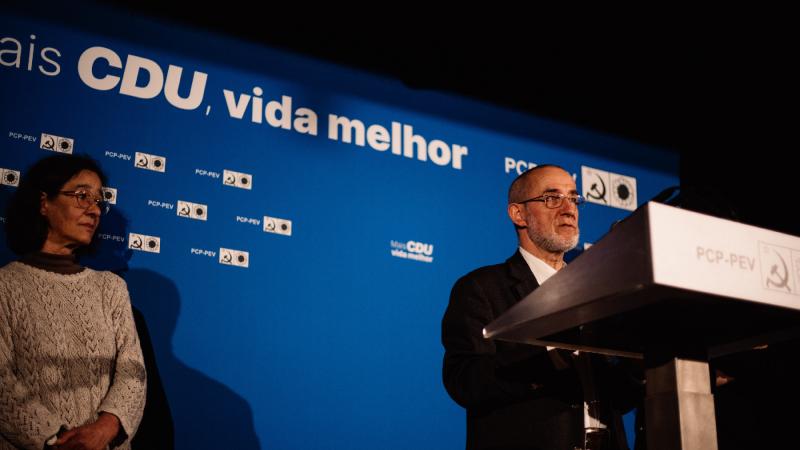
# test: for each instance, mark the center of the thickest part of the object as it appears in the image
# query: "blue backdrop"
(292, 266)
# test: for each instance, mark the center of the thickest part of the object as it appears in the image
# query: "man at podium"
(520, 396)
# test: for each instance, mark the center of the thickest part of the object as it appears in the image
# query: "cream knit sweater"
(68, 350)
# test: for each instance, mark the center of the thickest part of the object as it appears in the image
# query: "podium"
(674, 288)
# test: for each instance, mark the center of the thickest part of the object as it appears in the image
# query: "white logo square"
(232, 257)
(55, 143)
(277, 225)
(237, 179)
(144, 243)
(147, 161)
(595, 185)
(197, 211)
(9, 177)
(110, 195)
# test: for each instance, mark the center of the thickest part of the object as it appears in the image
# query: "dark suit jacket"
(514, 395)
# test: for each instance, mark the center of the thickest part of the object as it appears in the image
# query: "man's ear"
(516, 214)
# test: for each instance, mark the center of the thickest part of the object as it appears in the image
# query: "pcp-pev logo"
(9, 177)
(518, 166)
(418, 251)
(147, 161)
(56, 143)
(144, 243)
(607, 188)
(780, 267)
(277, 225)
(196, 211)
(230, 257)
(237, 179)
(110, 195)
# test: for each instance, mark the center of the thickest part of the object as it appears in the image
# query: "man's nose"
(567, 207)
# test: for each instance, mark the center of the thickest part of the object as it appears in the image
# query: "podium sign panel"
(662, 276)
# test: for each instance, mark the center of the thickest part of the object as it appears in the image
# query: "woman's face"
(72, 225)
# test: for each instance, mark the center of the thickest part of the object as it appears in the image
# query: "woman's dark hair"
(26, 228)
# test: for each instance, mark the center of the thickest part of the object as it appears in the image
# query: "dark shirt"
(63, 264)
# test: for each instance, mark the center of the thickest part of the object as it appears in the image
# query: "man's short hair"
(519, 187)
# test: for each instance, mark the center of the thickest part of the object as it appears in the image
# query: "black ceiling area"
(712, 89)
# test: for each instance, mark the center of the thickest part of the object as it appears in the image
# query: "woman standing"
(71, 368)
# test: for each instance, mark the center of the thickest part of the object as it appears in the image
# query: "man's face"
(553, 230)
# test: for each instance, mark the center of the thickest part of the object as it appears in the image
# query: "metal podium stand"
(675, 288)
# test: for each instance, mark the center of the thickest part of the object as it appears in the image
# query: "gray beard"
(555, 243)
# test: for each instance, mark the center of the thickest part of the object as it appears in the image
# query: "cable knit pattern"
(68, 350)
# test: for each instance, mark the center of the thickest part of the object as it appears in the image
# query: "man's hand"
(722, 378)
(92, 436)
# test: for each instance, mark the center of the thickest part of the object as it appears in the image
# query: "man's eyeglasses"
(85, 200)
(555, 200)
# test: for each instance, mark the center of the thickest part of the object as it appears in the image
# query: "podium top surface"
(665, 276)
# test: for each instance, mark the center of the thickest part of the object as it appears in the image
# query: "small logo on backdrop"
(56, 143)
(207, 173)
(780, 267)
(277, 225)
(160, 204)
(23, 136)
(150, 162)
(9, 177)
(608, 188)
(623, 192)
(595, 186)
(237, 179)
(248, 220)
(110, 195)
(203, 252)
(418, 251)
(111, 237)
(518, 166)
(145, 243)
(115, 155)
(197, 211)
(230, 257)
